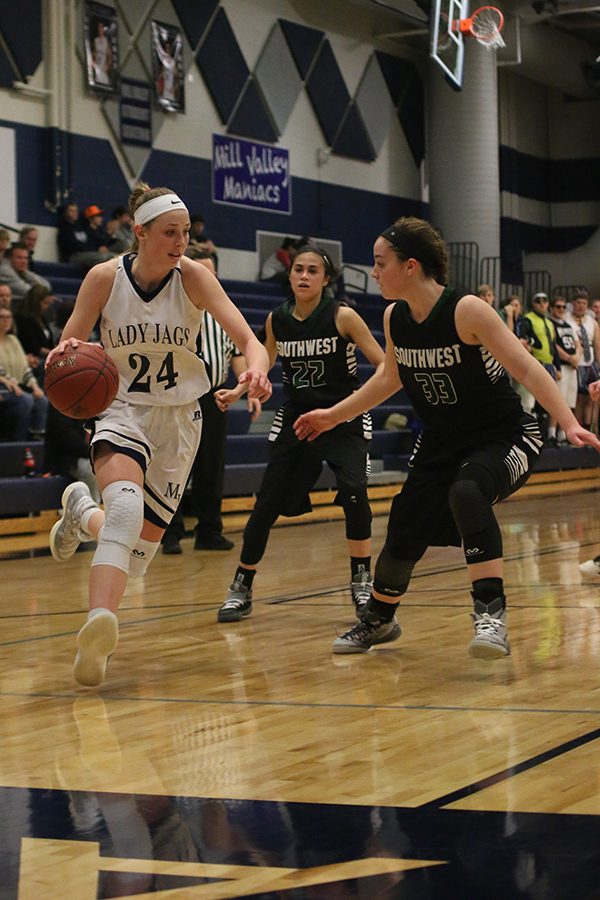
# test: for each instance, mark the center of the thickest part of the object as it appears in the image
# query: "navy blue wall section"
(33, 157)
(549, 180)
(517, 237)
(222, 65)
(96, 176)
(331, 211)
(21, 27)
(91, 171)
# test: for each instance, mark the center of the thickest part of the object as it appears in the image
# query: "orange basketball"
(81, 382)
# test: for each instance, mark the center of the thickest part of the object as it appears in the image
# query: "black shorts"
(421, 517)
(294, 466)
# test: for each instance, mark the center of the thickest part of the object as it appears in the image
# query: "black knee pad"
(392, 575)
(470, 498)
(357, 511)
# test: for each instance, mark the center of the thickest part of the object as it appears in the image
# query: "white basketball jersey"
(151, 336)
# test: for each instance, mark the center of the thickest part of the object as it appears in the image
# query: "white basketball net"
(485, 27)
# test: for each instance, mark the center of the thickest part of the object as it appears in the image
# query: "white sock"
(99, 610)
(85, 519)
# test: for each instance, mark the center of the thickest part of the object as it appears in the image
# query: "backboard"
(447, 41)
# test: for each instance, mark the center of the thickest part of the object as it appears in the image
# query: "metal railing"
(363, 277)
(464, 264)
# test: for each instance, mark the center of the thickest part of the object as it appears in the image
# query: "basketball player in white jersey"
(102, 55)
(150, 303)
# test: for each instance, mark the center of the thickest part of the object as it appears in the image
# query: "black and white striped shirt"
(217, 350)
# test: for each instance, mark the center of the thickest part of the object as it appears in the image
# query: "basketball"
(81, 382)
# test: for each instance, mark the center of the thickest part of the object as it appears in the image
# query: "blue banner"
(247, 173)
(135, 115)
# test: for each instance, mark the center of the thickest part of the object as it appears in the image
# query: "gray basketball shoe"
(491, 635)
(365, 635)
(66, 534)
(237, 605)
(591, 567)
(360, 588)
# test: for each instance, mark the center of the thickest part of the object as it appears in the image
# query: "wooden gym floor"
(246, 760)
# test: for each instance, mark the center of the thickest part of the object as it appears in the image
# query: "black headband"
(410, 246)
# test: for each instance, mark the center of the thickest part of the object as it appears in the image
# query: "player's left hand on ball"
(63, 347)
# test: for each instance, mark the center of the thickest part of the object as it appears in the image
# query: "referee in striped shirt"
(219, 354)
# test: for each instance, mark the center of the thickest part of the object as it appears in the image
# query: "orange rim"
(466, 25)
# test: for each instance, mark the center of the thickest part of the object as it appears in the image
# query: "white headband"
(156, 207)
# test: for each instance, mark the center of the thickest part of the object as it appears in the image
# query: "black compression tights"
(256, 535)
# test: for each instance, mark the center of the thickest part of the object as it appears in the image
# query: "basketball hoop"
(485, 26)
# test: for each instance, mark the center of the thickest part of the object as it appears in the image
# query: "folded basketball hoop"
(485, 25)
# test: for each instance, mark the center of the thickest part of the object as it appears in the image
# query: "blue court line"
(477, 786)
(289, 704)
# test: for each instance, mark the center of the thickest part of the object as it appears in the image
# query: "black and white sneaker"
(365, 635)
(360, 588)
(591, 567)
(237, 605)
(491, 633)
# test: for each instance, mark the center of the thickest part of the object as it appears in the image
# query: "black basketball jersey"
(565, 337)
(456, 388)
(319, 365)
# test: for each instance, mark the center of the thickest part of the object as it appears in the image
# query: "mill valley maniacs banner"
(247, 173)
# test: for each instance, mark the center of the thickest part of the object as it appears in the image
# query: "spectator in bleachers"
(98, 237)
(276, 267)
(507, 312)
(28, 235)
(67, 450)
(199, 240)
(316, 338)
(588, 332)
(537, 328)
(14, 271)
(33, 327)
(120, 230)
(4, 242)
(5, 297)
(568, 348)
(595, 308)
(220, 354)
(74, 244)
(487, 293)
(18, 378)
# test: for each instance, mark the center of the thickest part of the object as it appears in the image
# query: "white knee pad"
(141, 557)
(124, 517)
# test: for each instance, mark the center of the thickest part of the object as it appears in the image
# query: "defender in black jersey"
(316, 339)
(451, 354)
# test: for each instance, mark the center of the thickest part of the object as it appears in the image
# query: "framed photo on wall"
(167, 66)
(101, 37)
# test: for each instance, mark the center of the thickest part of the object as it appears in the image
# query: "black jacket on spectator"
(65, 443)
(32, 336)
(72, 238)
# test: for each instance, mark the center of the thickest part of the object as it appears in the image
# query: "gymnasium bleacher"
(28, 504)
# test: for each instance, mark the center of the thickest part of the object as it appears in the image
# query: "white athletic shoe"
(96, 641)
(591, 567)
(66, 534)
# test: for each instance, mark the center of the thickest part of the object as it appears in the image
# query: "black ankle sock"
(246, 576)
(382, 611)
(486, 590)
(360, 564)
